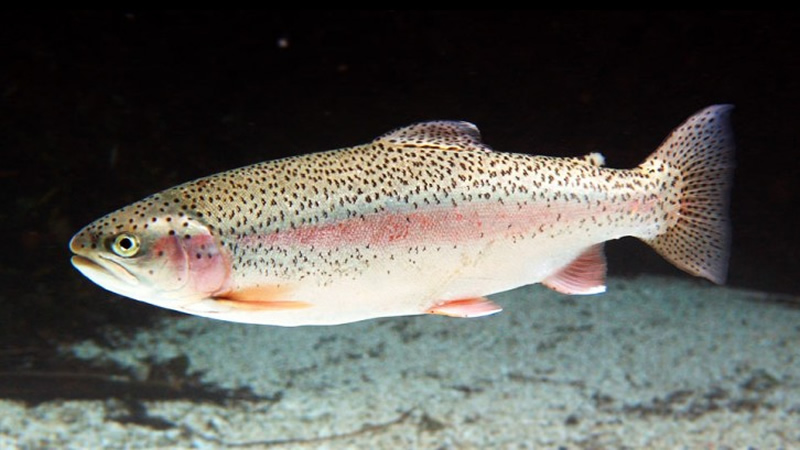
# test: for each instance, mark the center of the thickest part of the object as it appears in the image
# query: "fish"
(425, 219)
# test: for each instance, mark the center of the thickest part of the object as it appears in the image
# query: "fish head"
(154, 252)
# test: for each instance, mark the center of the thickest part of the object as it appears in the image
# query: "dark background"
(98, 109)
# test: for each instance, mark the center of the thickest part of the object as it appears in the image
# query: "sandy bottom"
(655, 362)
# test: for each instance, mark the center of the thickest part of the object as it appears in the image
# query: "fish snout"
(82, 242)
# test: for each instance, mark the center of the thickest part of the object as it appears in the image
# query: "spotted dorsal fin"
(441, 134)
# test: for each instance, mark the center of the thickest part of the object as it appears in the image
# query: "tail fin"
(698, 156)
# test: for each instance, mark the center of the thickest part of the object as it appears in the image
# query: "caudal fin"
(697, 158)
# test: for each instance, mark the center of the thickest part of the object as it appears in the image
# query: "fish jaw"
(109, 275)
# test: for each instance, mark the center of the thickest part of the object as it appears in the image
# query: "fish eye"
(125, 245)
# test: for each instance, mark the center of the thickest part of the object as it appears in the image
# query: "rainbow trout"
(424, 219)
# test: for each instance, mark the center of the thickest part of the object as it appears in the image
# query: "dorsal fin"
(440, 134)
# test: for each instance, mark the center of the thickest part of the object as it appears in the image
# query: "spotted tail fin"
(697, 161)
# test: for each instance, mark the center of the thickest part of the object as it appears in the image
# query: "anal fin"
(585, 275)
(466, 308)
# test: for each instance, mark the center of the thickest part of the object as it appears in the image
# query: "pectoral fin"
(260, 298)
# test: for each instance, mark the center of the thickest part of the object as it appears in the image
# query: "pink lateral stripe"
(441, 226)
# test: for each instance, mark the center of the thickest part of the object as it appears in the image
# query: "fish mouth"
(106, 273)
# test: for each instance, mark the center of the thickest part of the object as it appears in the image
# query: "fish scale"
(424, 219)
